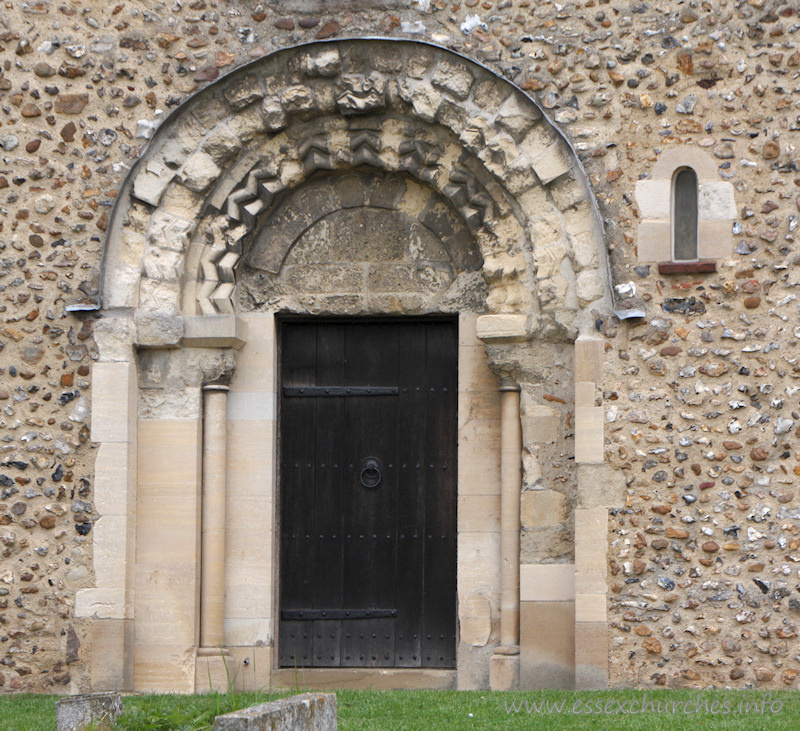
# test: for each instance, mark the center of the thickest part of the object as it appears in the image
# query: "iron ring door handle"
(370, 475)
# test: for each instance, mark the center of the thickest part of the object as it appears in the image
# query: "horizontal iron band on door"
(300, 614)
(299, 391)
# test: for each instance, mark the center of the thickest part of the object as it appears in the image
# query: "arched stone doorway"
(358, 178)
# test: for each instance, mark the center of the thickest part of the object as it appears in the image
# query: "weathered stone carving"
(420, 158)
(254, 197)
(360, 94)
(467, 195)
(315, 154)
(366, 147)
(479, 152)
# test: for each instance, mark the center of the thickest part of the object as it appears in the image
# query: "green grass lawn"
(441, 710)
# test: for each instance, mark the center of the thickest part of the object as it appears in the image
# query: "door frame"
(280, 320)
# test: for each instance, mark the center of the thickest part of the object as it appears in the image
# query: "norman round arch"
(191, 207)
(353, 177)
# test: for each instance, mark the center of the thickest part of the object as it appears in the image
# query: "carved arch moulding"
(189, 214)
(232, 187)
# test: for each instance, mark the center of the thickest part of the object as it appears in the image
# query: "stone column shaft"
(212, 581)
(510, 489)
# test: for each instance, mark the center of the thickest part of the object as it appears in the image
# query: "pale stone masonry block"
(478, 560)
(131, 248)
(169, 231)
(159, 295)
(474, 374)
(422, 96)
(121, 285)
(504, 672)
(111, 665)
(199, 171)
(478, 513)
(584, 393)
(113, 402)
(211, 671)
(169, 451)
(715, 239)
(502, 328)
(167, 605)
(541, 424)
(114, 337)
(214, 331)
(182, 202)
(543, 508)
(548, 582)
(589, 425)
(158, 330)
(222, 144)
(547, 644)
(256, 361)
(162, 404)
(552, 163)
(591, 531)
(251, 406)
(162, 264)
(685, 156)
(585, 250)
(248, 559)
(516, 116)
(251, 667)
(467, 322)
(600, 486)
(716, 201)
(654, 241)
(165, 669)
(250, 456)
(114, 473)
(100, 603)
(453, 78)
(653, 198)
(475, 619)
(588, 360)
(248, 632)
(589, 286)
(110, 551)
(590, 608)
(479, 457)
(591, 655)
(151, 181)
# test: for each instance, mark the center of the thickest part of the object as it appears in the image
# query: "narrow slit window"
(684, 215)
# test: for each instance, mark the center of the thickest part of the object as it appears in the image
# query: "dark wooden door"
(368, 493)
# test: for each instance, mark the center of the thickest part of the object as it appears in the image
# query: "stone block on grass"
(306, 712)
(92, 711)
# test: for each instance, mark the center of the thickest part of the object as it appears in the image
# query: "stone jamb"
(110, 603)
(591, 657)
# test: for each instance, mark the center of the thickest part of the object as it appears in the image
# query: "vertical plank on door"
(298, 419)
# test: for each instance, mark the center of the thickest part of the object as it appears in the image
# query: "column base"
(213, 670)
(504, 669)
